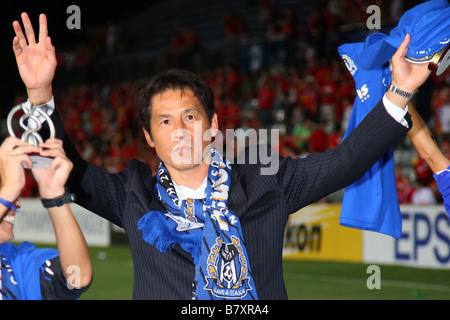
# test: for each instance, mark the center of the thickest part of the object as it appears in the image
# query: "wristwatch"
(402, 93)
(58, 201)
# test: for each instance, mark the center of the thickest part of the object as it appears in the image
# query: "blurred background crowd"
(272, 64)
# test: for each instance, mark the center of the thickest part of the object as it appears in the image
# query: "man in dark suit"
(233, 248)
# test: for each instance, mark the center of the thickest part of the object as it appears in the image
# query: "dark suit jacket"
(262, 203)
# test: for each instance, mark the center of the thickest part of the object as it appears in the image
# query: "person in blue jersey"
(28, 273)
(429, 150)
(205, 226)
(371, 203)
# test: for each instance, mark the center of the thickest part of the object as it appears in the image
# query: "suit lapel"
(144, 192)
(150, 202)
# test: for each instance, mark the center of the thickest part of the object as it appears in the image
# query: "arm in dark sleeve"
(309, 179)
(96, 189)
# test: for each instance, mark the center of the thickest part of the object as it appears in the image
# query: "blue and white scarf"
(208, 230)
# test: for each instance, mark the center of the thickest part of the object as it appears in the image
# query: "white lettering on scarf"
(184, 224)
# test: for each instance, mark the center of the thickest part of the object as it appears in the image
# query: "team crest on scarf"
(227, 270)
(207, 229)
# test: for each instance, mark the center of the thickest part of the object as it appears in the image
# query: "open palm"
(36, 60)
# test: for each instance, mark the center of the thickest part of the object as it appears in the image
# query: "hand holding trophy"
(36, 62)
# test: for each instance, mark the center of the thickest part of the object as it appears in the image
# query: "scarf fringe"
(163, 238)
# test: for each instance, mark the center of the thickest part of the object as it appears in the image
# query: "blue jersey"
(371, 203)
(21, 266)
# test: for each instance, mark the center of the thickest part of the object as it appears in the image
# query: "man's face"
(180, 130)
(7, 225)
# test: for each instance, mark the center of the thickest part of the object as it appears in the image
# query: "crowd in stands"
(309, 103)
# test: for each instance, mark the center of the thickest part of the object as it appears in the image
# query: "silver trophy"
(31, 123)
(438, 62)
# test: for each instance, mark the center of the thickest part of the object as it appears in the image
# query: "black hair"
(174, 79)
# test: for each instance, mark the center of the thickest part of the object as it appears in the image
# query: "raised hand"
(36, 61)
(406, 75)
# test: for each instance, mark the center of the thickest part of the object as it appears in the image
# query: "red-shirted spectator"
(422, 170)
(318, 141)
(266, 99)
(405, 189)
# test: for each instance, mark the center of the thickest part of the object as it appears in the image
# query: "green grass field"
(305, 280)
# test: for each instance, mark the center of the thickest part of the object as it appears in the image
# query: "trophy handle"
(30, 136)
(9, 119)
(49, 121)
(440, 61)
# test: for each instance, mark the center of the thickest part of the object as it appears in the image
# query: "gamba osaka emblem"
(350, 64)
(227, 270)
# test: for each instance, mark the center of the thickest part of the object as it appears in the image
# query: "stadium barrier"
(314, 233)
(32, 223)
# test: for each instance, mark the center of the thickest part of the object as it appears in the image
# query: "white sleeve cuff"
(48, 108)
(396, 112)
